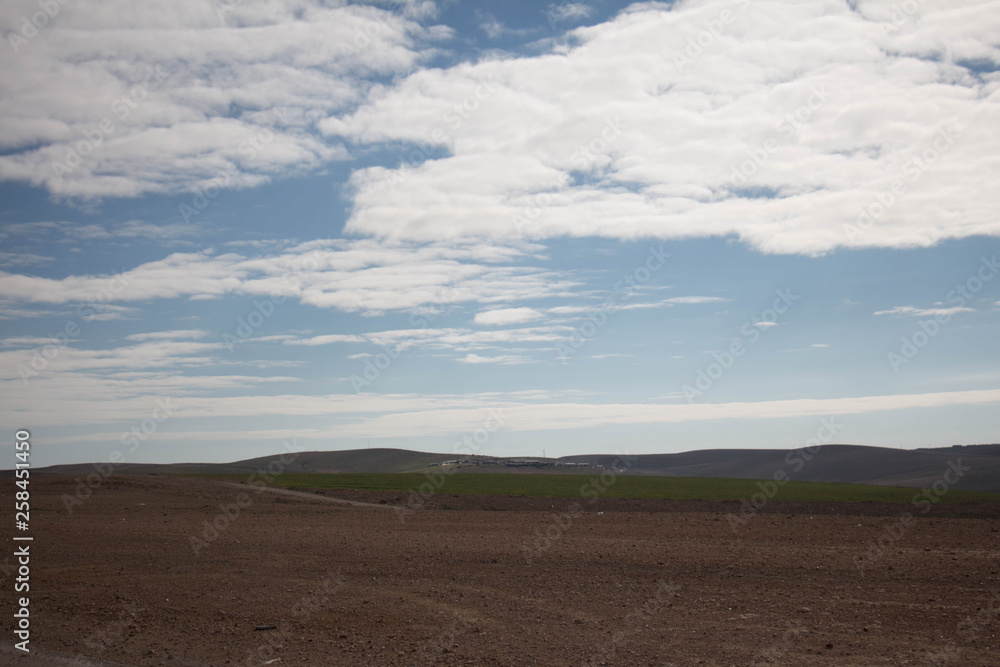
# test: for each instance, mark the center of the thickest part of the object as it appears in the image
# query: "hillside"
(830, 463)
(382, 460)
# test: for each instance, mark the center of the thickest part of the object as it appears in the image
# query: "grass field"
(623, 486)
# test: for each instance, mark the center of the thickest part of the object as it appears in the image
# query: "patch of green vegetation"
(611, 486)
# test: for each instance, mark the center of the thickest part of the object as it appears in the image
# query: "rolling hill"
(979, 464)
(830, 463)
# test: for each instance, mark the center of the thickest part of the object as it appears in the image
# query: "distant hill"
(830, 463)
(355, 460)
(351, 460)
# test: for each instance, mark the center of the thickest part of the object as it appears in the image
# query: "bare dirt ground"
(495, 581)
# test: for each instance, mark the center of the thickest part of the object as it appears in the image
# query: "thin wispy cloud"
(925, 312)
(568, 11)
(504, 359)
(506, 316)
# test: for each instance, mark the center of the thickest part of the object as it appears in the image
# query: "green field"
(622, 486)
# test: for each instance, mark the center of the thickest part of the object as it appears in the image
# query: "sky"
(234, 228)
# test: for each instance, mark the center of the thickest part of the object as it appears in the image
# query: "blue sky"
(642, 227)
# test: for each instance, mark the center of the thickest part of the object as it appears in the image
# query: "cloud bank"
(797, 128)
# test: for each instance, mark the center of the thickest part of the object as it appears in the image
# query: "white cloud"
(924, 312)
(73, 399)
(619, 132)
(77, 234)
(568, 11)
(350, 275)
(329, 339)
(492, 27)
(446, 339)
(146, 354)
(572, 310)
(686, 300)
(505, 359)
(612, 136)
(175, 93)
(507, 316)
(641, 305)
(13, 259)
(10, 310)
(168, 232)
(167, 335)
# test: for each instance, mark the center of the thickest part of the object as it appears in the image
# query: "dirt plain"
(137, 574)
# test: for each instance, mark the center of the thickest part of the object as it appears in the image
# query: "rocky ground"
(164, 570)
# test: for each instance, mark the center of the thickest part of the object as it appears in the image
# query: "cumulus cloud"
(798, 128)
(177, 94)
